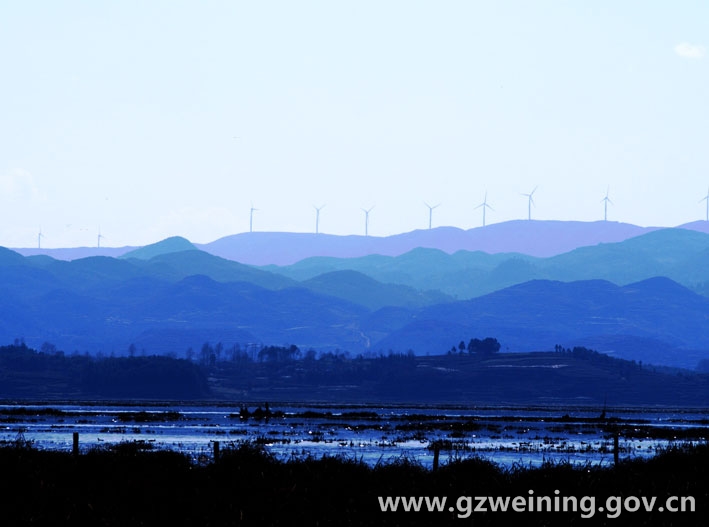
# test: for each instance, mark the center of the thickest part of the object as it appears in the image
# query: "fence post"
(216, 451)
(75, 447)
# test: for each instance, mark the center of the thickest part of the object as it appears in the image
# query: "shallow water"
(375, 434)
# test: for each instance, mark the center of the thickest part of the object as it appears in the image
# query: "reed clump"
(131, 484)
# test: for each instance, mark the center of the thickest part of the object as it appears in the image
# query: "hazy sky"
(152, 119)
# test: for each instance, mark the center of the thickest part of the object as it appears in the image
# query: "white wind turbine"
(317, 217)
(484, 205)
(366, 219)
(530, 202)
(430, 213)
(98, 238)
(39, 238)
(251, 217)
(606, 201)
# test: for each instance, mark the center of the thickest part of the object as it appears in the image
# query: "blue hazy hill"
(180, 299)
(361, 289)
(655, 320)
(675, 253)
(168, 245)
(181, 264)
(536, 238)
(142, 310)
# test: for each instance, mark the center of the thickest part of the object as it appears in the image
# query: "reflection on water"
(526, 436)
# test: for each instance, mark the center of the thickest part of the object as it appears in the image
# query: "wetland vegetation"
(280, 464)
(131, 484)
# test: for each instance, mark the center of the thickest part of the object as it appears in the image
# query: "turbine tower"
(430, 213)
(251, 218)
(98, 238)
(366, 219)
(39, 238)
(606, 201)
(317, 218)
(484, 205)
(706, 198)
(530, 202)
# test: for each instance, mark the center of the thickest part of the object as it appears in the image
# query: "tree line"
(475, 346)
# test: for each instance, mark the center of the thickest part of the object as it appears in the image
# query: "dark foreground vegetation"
(130, 484)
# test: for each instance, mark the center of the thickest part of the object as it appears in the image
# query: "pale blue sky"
(154, 119)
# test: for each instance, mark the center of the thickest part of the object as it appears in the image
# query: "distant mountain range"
(534, 238)
(655, 321)
(679, 254)
(645, 297)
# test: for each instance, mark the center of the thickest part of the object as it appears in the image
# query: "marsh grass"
(129, 484)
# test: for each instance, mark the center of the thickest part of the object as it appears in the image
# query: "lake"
(527, 436)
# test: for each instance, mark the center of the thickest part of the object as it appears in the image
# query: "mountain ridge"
(539, 314)
(180, 298)
(677, 253)
(533, 237)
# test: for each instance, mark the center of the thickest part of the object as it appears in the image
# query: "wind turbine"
(530, 202)
(430, 213)
(484, 205)
(606, 201)
(39, 238)
(317, 217)
(706, 198)
(98, 238)
(251, 218)
(366, 219)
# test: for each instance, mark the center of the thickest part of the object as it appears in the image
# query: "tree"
(310, 355)
(278, 353)
(218, 351)
(486, 346)
(206, 355)
(48, 348)
(490, 345)
(474, 346)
